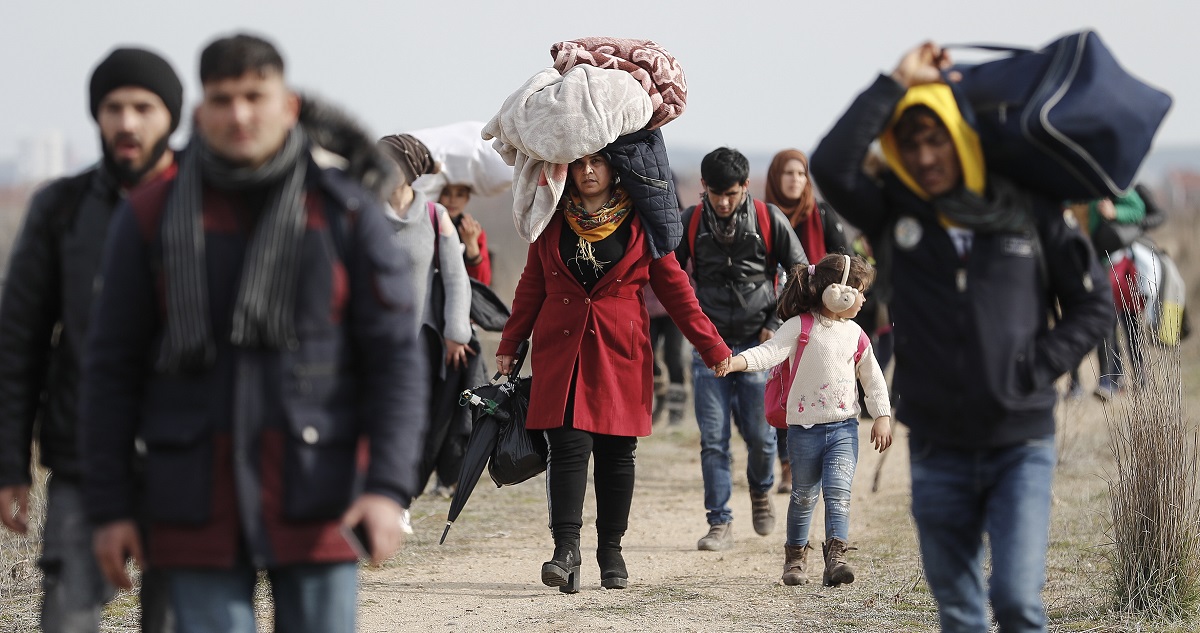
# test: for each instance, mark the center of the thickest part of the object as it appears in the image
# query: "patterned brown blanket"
(651, 64)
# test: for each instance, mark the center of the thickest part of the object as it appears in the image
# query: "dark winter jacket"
(259, 454)
(640, 160)
(733, 285)
(976, 358)
(44, 314)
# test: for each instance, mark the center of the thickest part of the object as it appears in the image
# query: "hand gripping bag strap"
(779, 382)
(1066, 120)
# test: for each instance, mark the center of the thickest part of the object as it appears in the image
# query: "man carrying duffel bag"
(977, 263)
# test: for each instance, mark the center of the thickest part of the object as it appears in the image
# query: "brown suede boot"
(837, 570)
(795, 564)
(785, 479)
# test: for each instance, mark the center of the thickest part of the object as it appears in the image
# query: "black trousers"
(664, 329)
(566, 480)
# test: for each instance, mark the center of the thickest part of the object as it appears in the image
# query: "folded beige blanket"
(554, 119)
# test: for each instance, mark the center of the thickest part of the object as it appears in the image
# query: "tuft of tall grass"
(20, 577)
(1155, 510)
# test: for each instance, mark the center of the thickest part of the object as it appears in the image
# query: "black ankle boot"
(562, 570)
(613, 574)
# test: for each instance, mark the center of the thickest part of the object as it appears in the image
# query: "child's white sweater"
(825, 385)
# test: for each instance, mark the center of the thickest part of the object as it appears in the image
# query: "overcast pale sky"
(761, 75)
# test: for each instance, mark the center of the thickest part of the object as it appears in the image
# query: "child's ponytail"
(805, 284)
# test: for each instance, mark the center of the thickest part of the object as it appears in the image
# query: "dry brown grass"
(1155, 512)
(20, 577)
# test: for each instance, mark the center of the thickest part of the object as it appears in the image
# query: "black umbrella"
(499, 419)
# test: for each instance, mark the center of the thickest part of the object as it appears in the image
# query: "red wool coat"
(606, 332)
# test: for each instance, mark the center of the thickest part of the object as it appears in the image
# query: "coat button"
(592, 332)
(566, 332)
(566, 301)
(310, 435)
(352, 204)
(554, 272)
(587, 300)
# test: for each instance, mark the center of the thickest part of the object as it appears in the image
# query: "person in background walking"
(1118, 260)
(431, 250)
(819, 229)
(475, 252)
(734, 259)
(136, 99)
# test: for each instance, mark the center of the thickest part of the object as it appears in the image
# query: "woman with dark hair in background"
(580, 297)
(820, 231)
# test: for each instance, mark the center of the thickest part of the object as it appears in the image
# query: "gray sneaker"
(719, 538)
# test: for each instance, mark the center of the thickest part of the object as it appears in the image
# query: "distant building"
(41, 158)
(1181, 190)
(8, 172)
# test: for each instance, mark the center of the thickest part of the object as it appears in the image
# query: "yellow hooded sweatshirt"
(939, 98)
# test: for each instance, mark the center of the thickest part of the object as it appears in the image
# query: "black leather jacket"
(51, 280)
(732, 283)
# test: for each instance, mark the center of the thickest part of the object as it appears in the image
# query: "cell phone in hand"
(357, 538)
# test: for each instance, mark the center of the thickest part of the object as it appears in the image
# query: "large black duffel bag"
(1065, 120)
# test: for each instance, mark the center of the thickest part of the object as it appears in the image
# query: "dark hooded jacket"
(976, 357)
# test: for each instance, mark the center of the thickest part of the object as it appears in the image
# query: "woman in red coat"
(580, 296)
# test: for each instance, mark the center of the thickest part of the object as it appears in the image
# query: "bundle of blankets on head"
(603, 95)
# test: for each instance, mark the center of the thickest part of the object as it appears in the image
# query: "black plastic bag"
(520, 453)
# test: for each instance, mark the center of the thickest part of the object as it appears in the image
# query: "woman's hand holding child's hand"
(721, 369)
(730, 365)
(881, 433)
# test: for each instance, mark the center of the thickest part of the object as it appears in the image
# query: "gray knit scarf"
(723, 230)
(263, 314)
(1006, 209)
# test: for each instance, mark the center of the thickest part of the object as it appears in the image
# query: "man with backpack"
(977, 263)
(735, 244)
(52, 278)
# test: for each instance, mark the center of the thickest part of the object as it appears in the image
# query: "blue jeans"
(311, 598)
(823, 460)
(739, 394)
(74, 589)
(960, 494)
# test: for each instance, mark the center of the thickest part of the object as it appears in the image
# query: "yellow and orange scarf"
(593, 227)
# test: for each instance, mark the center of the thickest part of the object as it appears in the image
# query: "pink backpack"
(779, 381)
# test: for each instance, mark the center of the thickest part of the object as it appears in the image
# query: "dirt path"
(486, 576)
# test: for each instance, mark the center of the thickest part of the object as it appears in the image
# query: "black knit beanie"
(143, 69)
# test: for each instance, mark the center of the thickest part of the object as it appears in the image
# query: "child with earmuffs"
(828, 355)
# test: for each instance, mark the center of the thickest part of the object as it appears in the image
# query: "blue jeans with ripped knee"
(823, 461)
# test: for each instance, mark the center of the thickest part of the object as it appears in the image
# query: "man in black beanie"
(135, 98)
